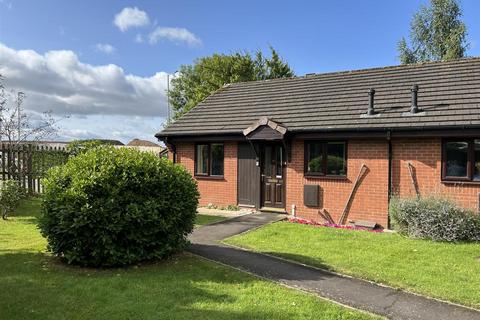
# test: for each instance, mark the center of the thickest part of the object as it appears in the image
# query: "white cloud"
(58, 81)
(123, 128)
(131, 17)
(177, 35)
(105, 48)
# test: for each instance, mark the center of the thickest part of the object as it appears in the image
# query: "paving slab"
(360, 294)
(224, 213)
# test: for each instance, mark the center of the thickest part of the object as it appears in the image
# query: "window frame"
(470, 161)
(209, 161)
(324, 175)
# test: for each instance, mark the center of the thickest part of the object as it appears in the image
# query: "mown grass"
(35, 285)
(203, 219)
(443, 270)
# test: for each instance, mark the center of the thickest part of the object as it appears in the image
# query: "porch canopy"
(266, 130)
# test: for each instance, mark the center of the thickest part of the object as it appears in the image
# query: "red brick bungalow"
(337, 143)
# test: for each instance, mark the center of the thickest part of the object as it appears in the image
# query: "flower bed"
(330, 225)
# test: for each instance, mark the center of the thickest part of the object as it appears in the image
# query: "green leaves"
(11, 192)
(207, 75)
(436, 33)
(108, 207)
(436, 218)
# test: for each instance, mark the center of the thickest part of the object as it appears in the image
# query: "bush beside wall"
(434, 218)
(110, 207)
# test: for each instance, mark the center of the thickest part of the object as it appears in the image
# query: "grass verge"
(35, 285)
(203, 219)
(443, 270)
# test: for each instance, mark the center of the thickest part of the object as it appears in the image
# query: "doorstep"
(274, 210)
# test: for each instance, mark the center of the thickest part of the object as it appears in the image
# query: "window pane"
(267, 162)
(202, 159)
(457, 158)
(217, 159)
(279, 162)
(476, 169)
(336, 158)
(314, 157)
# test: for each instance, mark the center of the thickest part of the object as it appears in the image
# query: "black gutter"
(394, 131)
(170, 145)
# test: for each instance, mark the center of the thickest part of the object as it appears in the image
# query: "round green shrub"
(111, 207)
(434, 218)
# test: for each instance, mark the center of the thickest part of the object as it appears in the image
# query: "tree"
(196, 82)
(436, 33)
(17, 127)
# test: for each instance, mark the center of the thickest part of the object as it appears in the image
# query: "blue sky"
(79, 43)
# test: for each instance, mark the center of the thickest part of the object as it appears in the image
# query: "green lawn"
(36, 286)
(203, 219)
(443, 270)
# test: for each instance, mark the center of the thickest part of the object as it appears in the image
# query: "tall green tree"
(207, 75)
(436, 33)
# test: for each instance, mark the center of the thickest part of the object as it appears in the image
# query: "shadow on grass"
(24, 219)
(35, 285)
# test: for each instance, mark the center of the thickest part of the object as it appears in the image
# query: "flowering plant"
(330, 225)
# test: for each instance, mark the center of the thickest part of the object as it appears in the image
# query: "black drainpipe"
(390, 160)
(171, 146)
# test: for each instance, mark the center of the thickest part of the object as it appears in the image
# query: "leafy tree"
(436, 33)
(207, 75)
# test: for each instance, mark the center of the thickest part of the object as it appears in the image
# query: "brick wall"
(370, 202)
(219, 192)
(425, 156)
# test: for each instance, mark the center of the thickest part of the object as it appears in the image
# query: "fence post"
(30, 169)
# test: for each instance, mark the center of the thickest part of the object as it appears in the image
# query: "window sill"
(209, 177)
(457, 182)
(325, 177)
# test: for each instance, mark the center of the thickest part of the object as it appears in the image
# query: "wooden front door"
(273, 176)
(248, 188)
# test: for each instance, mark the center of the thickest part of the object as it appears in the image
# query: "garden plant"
(109, 207)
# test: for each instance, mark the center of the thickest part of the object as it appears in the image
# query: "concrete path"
(224, 213)
(388, 302)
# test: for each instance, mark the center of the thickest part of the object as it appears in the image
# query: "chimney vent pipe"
(371, 102)
(414, 106)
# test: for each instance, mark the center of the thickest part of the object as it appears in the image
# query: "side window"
(201, 159)
(209, 159)
(325, 158)
(456, 158)
(314, 158)
(216, 159)
(336, 164)
(476, 163)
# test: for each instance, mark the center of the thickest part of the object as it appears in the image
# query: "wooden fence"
(29, 163)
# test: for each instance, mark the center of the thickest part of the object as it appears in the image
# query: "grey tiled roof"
(449, 96)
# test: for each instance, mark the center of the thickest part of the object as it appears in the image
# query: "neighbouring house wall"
(219, 192)
(425, 155)
(370, 202)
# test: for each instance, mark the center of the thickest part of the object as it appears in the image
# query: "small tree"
(11, 192)
(17, 127)
(436, 33)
